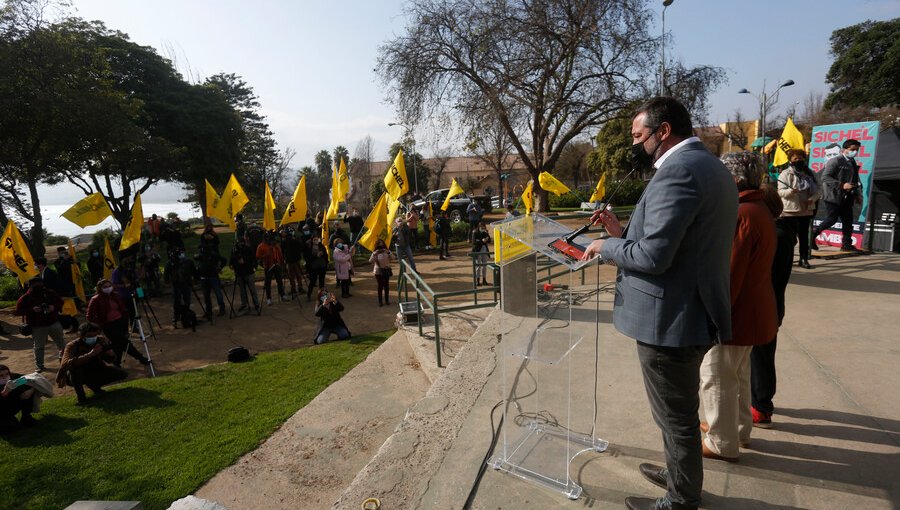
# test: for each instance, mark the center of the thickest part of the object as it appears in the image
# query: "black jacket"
(329, 317)
(243, 259)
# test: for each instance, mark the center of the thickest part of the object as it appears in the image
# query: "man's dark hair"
(87, 327)
(41, 260)
(850, 143)
(667, 109)
(60, 248)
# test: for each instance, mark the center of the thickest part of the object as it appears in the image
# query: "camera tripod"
(140, 329)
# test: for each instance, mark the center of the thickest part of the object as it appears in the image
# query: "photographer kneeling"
(86, 361)
(328, 310)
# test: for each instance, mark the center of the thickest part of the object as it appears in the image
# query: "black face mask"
(640, 159)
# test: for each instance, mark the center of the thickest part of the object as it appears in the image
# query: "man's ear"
(665, 131)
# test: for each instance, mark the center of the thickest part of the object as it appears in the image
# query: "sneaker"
(38, 370)
(268, 301)
(760, 419)
(284, 299)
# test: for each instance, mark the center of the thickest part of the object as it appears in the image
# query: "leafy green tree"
(612, 150)
(866, 65)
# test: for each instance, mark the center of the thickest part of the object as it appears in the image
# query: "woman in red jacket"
(107, 310)
(725, 371)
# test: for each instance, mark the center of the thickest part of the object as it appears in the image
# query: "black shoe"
(848, 248)
(654, 474)
(28, 420)
(144, 361)
(805, 264)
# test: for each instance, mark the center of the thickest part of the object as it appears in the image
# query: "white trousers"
(725, 394)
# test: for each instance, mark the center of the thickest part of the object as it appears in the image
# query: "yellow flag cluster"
(88, 211)
(231, 202)
(269, 210)
(296, 210)
(791, 138)
(15, 255)
(395, 181)
(455, 189)
(600, 190)
(109, 261)
(132, 233)
(551, 184)
(77, 279)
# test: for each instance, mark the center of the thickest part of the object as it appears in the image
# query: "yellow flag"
(325, 236)
(343, 181)
(549, 183)
(15, 255)
(296, 210)
(376, 224)
(393, 206)
(527, 197)
(791, 138)
(109, 261)
(232, 202)
(269, 210)
(600, 190)
(213, 202)
(395, 180)
(455, 189)
(77, 279)
(88, 211)
(432, 235)
(332, 212)
(132, 233)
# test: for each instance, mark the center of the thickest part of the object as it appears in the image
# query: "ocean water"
(56, 224)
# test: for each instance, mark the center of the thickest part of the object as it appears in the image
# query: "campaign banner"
(826, 144)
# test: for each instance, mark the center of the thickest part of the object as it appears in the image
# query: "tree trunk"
(37, 230)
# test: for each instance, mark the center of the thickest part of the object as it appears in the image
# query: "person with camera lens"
(209, 264)
(271, 258)
(108, 310)
(180, 272)
(243, 261)
(316, 264)
(86, 362)
(381, 266)
(40, 306)
(328, 310)
(292, 249)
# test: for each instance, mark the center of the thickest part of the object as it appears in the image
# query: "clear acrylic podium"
(547, 355)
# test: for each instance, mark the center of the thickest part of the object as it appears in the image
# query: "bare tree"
(361, 172)
(441, 157)
(735, 132)
(489, 141)
(568, 66)
(278, 174)
(573, 162)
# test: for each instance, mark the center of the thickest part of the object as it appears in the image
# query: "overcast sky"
(311, 62)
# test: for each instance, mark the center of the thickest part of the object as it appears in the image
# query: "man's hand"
(97, 350)
(847, 186)
(609, 220)
(593, 249)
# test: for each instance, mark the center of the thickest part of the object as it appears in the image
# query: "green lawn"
(157, 440)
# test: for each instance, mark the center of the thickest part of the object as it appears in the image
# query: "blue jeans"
(212, 284)
(407, 253)
(340, 331)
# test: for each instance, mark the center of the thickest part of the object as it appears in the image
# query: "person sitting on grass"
(328, 310)
(15, 397)
(87, 362)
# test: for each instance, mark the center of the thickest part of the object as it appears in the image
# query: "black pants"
(383, 289)
(117, 333)
(13, 403)
(273, 272)
(672, 380)
(762, 376)
(800, 225)
(444, 246)
(181, 299)
(345, 287)
(94, 376)
(315, 276)
(833, 212)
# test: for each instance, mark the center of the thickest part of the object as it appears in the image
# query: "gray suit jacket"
(672, 288)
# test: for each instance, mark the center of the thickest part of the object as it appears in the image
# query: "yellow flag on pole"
(15, 255)
(333, 207)
(109, 261)
(393, 206)
(269, 210)
(395, 181)
(528, 198)
(343, 181)
(77, 279)
(376, 224)
(325, 236)
(432, 234)
(600, 190)
(232, 202)
(549, 183)
(296, 210)
(791, 138)
(455, 189)
(88, 211)
(213, 202)
(132, 233)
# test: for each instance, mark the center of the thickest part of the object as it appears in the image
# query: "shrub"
(9, 286)
(459, 231)
(628, 194)
(571, 199)
(53, 239)
(99, 238)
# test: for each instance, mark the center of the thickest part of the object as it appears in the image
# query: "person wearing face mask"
(328, 310)
(292, 248)
(672, 287)
(86, 362)
(15, 398)
(271, 259)
(481, 241)
(107, 310)
(180, 272)
(799, 191)
(381, 266)
(316, 265)
(841, 189)
(95, 265)
(343, 264)
(40, 306)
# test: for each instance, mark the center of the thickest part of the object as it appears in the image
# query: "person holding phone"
(328, 310)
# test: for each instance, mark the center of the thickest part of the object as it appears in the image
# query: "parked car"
(458, 204)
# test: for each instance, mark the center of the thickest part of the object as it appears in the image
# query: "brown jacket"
(754, 318)
(79, 354)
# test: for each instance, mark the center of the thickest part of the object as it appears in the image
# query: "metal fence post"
(437, 331)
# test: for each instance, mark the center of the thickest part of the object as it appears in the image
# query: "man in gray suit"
(672, 288)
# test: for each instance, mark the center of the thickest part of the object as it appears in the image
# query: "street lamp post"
(409, 131)
(765, 103)
(662, 77)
